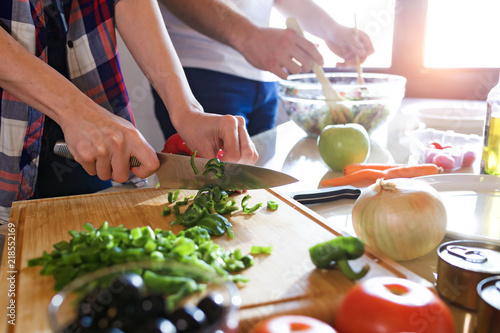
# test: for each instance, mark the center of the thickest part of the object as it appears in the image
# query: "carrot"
(411, 171)
(371, 175)
(351, 168)
(358, 176)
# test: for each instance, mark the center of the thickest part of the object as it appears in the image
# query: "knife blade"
(325, 194)
(177, 172)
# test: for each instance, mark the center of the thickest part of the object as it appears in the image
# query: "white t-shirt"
(199, 51)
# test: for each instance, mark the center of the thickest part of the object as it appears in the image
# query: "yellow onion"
(401, 218)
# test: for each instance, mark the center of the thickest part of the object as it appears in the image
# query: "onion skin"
(401, 218)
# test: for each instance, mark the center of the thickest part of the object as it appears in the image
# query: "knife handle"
(326, 194)
(61, 149)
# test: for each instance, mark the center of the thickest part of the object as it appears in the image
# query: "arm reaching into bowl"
(273, 49)
(342, 40)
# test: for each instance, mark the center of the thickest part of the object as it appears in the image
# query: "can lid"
(489, 291)
(472, 256)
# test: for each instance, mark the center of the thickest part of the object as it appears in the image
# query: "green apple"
(343, 144)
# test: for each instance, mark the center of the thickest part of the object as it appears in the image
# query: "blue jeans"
(221, 93)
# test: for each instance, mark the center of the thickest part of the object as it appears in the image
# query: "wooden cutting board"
(284, 282)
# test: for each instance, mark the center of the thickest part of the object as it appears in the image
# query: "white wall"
(141, 98)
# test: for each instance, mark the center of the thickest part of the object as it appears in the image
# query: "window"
(445, 48)
(466, 37)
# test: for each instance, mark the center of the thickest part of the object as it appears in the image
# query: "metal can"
(488, 311)
(461, 266)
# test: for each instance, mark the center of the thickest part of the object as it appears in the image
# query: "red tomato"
(429, 155)
(389, 304)
(445, 161)
(292, 323)
(175, 145)
(469, 158)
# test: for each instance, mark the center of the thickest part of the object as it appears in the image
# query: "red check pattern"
(93, 66)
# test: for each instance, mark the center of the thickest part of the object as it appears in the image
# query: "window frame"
(408, 61)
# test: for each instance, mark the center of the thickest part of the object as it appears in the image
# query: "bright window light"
(462, 34)
(375, 17)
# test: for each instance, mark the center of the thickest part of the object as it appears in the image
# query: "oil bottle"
(490, 160)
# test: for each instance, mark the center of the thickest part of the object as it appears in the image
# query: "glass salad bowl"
(147, 297)
(370, 104)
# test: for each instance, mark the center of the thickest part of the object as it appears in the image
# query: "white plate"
(472, 205)
(461, 116)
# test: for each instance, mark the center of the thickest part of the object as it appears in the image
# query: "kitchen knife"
(177, 172)
(326, 194)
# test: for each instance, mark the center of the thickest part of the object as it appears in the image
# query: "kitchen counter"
(287, 148)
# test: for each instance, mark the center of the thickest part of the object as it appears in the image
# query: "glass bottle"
(490, 161)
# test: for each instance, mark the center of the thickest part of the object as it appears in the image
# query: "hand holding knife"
(177, 171)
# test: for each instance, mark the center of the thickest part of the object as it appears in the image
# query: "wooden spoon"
(339, 112)
(358, 63)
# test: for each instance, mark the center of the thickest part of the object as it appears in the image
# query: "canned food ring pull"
(467, 254)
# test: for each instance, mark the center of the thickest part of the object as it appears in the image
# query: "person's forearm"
(142, 28)
(213, 18)
(312, 17)
(34, 82)
(143, 31)
(100, 141)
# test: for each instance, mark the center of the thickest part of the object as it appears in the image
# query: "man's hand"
(348, 44)
(343, 41)
(103, 144)
(279, 51)
(207, 133)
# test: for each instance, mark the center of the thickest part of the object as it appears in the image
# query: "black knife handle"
(326, 194)
(61, 149)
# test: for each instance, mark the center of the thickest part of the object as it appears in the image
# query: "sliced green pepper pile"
(92, 249)
(337, 252)
(210, 204)
(207, 210)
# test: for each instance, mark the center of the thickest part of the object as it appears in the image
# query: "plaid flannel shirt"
(93, 67)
